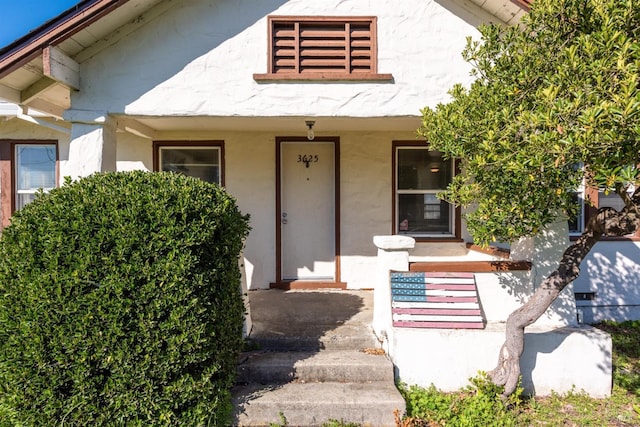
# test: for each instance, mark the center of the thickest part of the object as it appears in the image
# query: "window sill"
(336, 77)
(435, 239)
(490, 250)
(471, 266)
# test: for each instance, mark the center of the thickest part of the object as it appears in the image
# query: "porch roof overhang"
(40, 70)
(156, 128)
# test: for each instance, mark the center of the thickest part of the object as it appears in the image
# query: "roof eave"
(53, 32)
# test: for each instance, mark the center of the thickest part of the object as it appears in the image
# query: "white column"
(393, 254)
(93, 143)
(248, 324)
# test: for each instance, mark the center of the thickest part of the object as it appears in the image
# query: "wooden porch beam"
(55, 32)
(46, 107)
(471, 266)
(61, 68)
(32, 92)
(134, 127)
(9, 94)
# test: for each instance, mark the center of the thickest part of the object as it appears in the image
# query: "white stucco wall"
(441, 357)
(199, 57)
(366, 197)
(251, 179)
(133, 153)
(612, 271)
(17, 129)
(250, 176)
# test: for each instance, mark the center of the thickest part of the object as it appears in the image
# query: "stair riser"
(302, 416)
(314, 404)
(282, 374)
(312, 344)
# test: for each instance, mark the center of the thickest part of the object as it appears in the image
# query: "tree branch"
(607, 222)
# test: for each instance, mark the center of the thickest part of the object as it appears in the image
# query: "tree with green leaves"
(555, 104)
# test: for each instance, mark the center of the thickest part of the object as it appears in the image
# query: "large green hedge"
(120, 303)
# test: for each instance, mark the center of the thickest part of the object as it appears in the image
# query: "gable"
(42, 69)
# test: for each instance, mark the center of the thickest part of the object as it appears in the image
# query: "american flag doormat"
(435, 300)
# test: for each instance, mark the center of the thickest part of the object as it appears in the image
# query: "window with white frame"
(588, 200)
(25, 168)
(201, 160)
(35, 169)
(587, 205)
(420, 174)
(576, 222)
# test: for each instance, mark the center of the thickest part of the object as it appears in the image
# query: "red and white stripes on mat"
(435, 300)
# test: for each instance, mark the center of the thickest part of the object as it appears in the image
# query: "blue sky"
(18, 17)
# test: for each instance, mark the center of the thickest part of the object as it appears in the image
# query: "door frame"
(336, 168)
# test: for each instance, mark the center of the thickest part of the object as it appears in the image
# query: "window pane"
(23, 198)
(612, 200)
(423, 213)
(198, 162)
(576, 224)
(35, 167)
(421, 169)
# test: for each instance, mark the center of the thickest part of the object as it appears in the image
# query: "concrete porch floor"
(317, 316)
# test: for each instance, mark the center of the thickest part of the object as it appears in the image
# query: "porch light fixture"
(310, 134)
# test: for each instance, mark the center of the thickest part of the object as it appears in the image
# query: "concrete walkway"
(316, 360)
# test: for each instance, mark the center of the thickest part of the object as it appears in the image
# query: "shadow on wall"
(544, 251)
(610, 283)
(520, 288)
(539, 347)
(195, 34)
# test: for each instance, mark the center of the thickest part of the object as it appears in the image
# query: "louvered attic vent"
(320, 48)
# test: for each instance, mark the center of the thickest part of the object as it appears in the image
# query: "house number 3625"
(307, 159)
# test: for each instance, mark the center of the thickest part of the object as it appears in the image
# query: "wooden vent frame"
(322, 48)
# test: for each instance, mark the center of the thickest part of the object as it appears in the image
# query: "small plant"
(283, 421)
(120, 303)
(480, 404)
(626, 359)
(339, 423)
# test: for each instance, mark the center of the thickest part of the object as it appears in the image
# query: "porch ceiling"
(291, 125)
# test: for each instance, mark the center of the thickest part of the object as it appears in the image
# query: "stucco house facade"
(305, 111)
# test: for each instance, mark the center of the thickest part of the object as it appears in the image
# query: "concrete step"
(309, 367)
(344, 337)
(279, 367)
(312, 404)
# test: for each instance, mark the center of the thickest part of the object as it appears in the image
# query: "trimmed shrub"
(120, 303)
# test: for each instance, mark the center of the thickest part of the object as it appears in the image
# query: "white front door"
(307, 210)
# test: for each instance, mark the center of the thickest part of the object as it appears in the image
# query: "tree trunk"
(607, 222)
